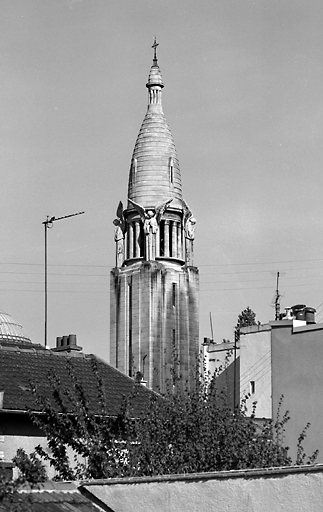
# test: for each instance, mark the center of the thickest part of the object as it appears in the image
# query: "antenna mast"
(48, 223)
(277, 301)
(211, 326)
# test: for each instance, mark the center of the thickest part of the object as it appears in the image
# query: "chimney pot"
(72, 340)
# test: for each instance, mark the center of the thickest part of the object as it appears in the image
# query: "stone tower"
(154, 326)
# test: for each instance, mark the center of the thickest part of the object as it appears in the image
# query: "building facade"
(154, 326)
(284, 359)
(278, 367)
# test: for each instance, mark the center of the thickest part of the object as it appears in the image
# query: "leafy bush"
(31, 471)
(30, 467)
(187, 430)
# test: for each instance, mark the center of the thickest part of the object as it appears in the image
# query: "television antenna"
(277, 299)
(48, 223)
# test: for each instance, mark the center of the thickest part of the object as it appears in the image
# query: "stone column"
(157, 241)
(137, 238)
(130, 240)
(179, 240)
(166, 239)
(174, 239)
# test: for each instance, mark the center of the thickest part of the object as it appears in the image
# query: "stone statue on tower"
(189, 232)
(151, 220)
(119, 234)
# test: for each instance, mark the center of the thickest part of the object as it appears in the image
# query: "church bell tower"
(154, 326)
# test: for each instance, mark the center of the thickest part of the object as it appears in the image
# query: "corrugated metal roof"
(54, 500)
(60, 501)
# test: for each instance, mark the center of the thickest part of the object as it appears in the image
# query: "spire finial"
(154, 46)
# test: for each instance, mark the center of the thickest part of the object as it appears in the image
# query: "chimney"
(310, 315)
(66, 344)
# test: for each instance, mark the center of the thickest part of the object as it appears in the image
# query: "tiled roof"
(20, 366)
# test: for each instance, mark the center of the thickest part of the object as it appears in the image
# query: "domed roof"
(154, 175)
(10, 330)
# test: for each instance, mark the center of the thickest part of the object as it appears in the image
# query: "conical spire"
(154, 173)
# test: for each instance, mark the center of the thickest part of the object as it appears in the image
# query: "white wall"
(282, 489)
(217, 357)
(255, 365)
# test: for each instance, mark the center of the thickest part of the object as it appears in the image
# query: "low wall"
(289, 489)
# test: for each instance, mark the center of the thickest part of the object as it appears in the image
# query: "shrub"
(187, 430)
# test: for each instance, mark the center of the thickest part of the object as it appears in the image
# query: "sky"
(243, 99)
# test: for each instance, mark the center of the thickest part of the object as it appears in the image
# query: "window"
(134, 171)
(252, 387)
(171, 170)
(142, 238)
(174, 294)
(162, 238)
(170, 239)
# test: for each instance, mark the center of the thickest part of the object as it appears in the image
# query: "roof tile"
(20, 368)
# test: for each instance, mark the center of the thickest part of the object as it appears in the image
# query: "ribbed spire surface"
(154, 172)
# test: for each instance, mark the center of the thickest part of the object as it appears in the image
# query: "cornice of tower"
(154, 175)
(155, 78)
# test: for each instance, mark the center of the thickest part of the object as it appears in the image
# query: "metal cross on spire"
(154, 46)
